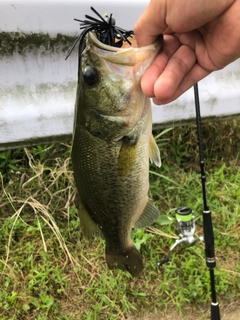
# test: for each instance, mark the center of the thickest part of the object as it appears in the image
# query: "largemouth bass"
(112, 145)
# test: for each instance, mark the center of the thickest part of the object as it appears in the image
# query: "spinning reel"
(185, 230)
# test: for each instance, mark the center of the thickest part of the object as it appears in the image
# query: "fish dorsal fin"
(154, 153)
(148, 216)
(89, 227)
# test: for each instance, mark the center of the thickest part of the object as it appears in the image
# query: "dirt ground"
(235, 315)
(227, 312)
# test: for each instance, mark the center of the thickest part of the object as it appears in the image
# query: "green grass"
(49, 271)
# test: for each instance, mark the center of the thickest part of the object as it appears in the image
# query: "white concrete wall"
(37, 87)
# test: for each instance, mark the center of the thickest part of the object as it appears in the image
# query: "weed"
(49, 271)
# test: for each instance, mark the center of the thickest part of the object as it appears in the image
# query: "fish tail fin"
(129, 260)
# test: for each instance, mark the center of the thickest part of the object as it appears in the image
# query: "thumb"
(151, 23)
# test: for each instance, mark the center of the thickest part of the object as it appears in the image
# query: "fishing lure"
(106, 31)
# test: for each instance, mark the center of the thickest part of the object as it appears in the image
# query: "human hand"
(199, 37)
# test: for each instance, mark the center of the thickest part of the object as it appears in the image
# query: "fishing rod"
(206, 213)
(186, 223)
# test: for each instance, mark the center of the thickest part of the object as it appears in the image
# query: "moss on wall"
(11, 42)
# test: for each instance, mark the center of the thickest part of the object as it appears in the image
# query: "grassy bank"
(49, 271)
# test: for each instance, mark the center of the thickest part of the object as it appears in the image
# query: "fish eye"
(90, 75)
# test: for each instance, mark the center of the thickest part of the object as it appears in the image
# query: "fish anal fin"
(154, 153)
(148, 216)
(89, 227)
(129, 260)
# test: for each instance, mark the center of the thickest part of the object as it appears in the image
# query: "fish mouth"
(128, 54)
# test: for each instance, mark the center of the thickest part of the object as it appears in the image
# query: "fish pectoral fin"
(89, 227)
(154, 153)
(129, 260)
(148, 216)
